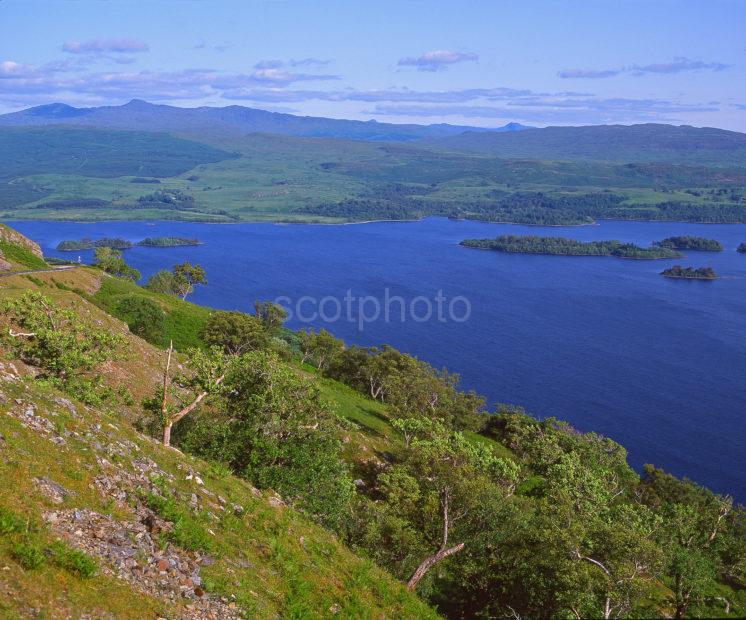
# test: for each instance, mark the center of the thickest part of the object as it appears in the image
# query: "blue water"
(658, 365)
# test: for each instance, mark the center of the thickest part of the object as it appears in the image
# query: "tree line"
(561, 246)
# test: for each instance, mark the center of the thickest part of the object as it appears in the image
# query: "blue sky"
(550, 62)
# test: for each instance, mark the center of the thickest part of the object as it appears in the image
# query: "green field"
(94, 174)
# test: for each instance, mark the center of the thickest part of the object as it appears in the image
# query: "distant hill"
(143, 116)
(98, 152)
(614, 143)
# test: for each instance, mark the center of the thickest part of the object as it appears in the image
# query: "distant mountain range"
(224, 126)
(143, 116)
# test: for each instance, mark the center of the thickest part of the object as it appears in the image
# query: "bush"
(187, 532)
(235, 332)
(111, 261)
(28, 555)
(143, 317)
(66, 347)
(72, 560)
(162, 282)
(10, 523)
(275, 429)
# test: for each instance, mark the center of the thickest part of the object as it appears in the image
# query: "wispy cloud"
(309, 62)
(401, 95)
(591, 74)
(106, 46)
(437, 60)
(219, 47)
(679, 64)
(552, 109)
(275, 72)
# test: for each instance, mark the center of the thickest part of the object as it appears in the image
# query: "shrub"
(29, 555)
(143, 317)
(111, 261)
(72, 560)
(10, 522)
(67, 347)
(187, 532)
(162, 282)
(235, 332)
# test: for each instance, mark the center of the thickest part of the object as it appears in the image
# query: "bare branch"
(578, 556)
(184, 411)
(21, 334)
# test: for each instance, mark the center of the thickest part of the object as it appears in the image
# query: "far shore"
(596, 222)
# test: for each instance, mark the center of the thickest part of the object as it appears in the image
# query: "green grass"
(72, 560)
(10, 523)
(184, 320)
(29, 555)
(21, 257)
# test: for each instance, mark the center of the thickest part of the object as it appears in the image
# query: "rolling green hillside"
(210, 169)
(98, 153)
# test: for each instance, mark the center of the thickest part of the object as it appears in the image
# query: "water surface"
(607, 344)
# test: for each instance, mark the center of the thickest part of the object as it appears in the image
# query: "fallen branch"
(21, 334)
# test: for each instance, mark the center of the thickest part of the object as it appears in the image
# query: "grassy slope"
(272, 560)
(98, 153)
(184, 320)
(20, 258)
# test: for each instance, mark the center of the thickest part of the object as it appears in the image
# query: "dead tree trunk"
(442, 553)
(182, 412)
(164, 402)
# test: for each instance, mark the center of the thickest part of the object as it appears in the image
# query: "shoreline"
(281, 222)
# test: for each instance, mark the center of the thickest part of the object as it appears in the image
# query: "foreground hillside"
(98, 520)
(310, 478)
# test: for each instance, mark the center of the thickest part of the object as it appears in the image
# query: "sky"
(470, 62)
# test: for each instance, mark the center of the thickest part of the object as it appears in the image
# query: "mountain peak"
(57, 110)
(138, 103)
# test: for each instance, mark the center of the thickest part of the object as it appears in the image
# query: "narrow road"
(50, 270)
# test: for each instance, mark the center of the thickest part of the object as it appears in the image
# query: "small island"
(741, 248)
(697, 244)
(122, 244)
(167, 242)
(90, 244)
(561, 246)
(690, 273)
